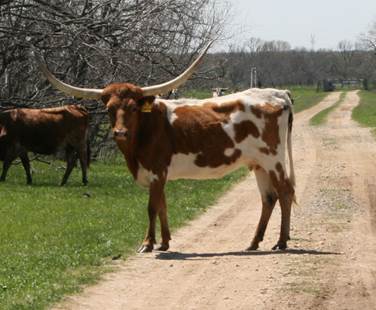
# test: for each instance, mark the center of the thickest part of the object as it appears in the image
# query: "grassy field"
(321, 117)
(365, 112)
(56, 239)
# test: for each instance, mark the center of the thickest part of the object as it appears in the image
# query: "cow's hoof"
(281, 245)
(163, 247)
(145, 248)
(252, 247)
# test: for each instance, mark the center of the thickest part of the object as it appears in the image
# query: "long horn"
(87, 93)
(175, 83)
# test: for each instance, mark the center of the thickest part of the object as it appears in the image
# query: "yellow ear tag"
(146, 107)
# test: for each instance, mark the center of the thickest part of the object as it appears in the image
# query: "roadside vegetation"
(56, 239)
(365, 112)
(321, 117)
(305, 97)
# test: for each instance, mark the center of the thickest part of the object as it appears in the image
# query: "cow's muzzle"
(120, 133)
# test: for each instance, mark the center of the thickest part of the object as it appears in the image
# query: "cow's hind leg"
(155, 196)
(269, 198)
(286, 196)
(83, 156)
(26, 164)
(71, 158)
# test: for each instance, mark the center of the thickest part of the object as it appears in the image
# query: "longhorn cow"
(199, 139)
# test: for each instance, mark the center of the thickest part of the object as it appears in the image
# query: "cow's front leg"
(165, 231)
(155, 196)
(9, 157)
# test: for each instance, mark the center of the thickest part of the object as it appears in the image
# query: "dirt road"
(331, 263)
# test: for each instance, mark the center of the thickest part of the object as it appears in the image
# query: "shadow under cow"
(198, 256)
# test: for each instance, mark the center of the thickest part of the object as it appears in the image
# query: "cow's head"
(123, 100)
(124, 103)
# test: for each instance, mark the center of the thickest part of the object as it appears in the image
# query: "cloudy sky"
(297, 21)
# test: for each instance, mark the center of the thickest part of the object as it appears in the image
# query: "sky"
(297, 22)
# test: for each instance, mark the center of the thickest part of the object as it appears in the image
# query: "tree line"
(96, 42)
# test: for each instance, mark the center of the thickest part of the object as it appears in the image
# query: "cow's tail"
(289, 150)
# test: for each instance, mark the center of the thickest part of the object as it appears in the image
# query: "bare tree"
(370, 37)
(96, 42)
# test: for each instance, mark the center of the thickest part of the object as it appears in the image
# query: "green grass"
(321, 117)
(365, 112)
(305, 97)
(197, 93)
(55, 239)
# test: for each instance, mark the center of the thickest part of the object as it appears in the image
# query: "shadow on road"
(198, 256)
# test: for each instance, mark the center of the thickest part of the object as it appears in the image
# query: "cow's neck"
(146, 139)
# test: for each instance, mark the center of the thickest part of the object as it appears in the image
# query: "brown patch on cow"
(226, 108)
(255, 167)
(264, 150)
(281, 182)
(270, 134)
(229, 107)
(244, 129)
(198, 130)
(256, 111)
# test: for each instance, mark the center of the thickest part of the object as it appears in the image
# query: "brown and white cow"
(200, 139)
(44, 131)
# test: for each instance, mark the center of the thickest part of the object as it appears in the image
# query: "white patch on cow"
(183, 166)
(145, 177)
(172, 118)
(229, 152)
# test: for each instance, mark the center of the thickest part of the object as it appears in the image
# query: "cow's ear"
(3, 131)
(146, 103)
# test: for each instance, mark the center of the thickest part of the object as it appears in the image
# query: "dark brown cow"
(200, 139)
(44, 131)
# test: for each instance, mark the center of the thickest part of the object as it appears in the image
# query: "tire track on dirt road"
(209, 269)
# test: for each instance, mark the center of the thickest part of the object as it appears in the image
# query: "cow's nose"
(120, 133)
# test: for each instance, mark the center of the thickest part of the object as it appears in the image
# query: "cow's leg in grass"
(83, 157)
(156, 195)
(8, 159)
(269, 199)
(26, 164)
(71, 158)
(165, 231)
